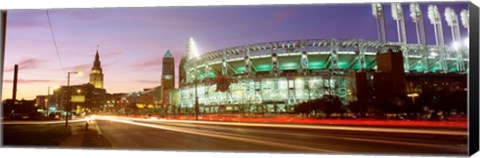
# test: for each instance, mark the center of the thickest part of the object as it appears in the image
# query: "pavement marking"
(98, 129)
(236, 137)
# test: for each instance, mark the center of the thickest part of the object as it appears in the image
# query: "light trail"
(235, 137)
(39, 122)
(395, 142)
(316, 127)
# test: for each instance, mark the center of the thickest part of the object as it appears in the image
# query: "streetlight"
(413, 96)
(68, 96)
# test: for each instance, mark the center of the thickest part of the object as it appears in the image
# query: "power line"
(55, 42)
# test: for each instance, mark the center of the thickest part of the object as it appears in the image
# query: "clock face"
(168, 77)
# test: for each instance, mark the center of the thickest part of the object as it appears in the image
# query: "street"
(128, 133)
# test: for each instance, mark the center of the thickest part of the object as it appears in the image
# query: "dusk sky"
(133, 40)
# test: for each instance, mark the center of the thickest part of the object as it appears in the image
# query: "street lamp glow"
(55, 87)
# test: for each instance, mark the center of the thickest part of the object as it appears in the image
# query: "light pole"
(196, 95)
(69, 95)
(48, 100)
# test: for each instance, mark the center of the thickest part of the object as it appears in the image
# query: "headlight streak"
(235, 137)
(38, 122)
(323, 136)
(319, 127)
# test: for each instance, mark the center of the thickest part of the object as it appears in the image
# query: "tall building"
(96, 76)
(168, 77)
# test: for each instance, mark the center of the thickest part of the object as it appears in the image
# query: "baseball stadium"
(275, 76)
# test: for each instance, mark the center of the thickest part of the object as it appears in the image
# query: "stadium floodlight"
(377, 11)
(464, 15)
(452, 21)
(417, 17)
(192, 49)
(193, 53)
(436, 21)
(456, 45)
(397, 14)
(466, 41)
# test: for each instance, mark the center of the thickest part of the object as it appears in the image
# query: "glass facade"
(280, 93)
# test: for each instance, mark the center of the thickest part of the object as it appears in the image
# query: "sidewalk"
(76, 137)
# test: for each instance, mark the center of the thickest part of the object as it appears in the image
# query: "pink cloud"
(148, 81)
(283, 16)
(148, 63)
(28, 81)
(27, 64)
(82, 67)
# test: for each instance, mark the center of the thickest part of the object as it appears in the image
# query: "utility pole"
(15, 79)
(3, 28)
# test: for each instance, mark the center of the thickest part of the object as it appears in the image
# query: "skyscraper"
(168, 76)
(96, 76)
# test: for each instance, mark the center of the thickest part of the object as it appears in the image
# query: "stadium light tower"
(417, 17)
(397, 14)
(464, 16)
(194, 54)
(452, 21)
(377, 11)
(192, 49)
(436, 21)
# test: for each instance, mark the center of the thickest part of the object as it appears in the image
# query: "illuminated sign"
(78, 99)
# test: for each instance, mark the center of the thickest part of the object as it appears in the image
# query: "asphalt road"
(189, 136)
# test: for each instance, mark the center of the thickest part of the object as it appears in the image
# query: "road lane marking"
(98, 129)
(236, 137)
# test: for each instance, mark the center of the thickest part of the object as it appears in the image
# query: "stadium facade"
(275, 76)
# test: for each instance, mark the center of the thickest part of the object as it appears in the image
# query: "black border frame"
(473, 123)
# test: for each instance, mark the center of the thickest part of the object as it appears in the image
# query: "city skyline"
(133, 41)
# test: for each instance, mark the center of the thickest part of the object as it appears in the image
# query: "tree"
(303, 108)
(329, 104)
(358, 107)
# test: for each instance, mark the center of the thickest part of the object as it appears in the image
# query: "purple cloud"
(148, 81)
(27, 64)
(28, 81)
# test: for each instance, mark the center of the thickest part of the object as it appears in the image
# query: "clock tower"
(168, 77)
(96, 76)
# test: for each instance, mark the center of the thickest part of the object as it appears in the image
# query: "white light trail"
(298, 126)
(39, 122)
(326, 136)
(235, 137)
